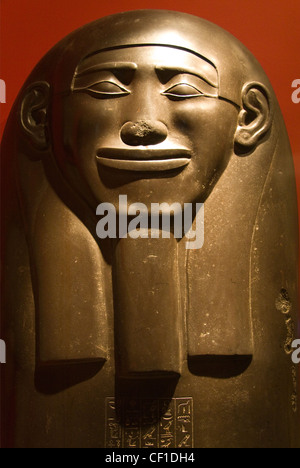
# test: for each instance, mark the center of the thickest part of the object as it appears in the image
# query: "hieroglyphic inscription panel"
(147, 423)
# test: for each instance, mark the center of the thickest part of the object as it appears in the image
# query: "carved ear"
(34, 110)
(255, 118)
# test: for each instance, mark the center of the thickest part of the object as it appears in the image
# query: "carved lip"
(144, 159)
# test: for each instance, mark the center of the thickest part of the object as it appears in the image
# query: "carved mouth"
(144, 159)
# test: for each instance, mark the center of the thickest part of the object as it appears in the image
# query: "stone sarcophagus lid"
(150, 244)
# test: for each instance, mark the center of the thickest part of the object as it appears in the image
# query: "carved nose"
(143, 133)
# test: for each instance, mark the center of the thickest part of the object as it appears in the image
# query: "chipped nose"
(143, 133)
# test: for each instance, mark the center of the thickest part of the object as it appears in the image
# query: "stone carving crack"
(284, 305)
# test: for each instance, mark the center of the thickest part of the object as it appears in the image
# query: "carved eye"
(104, 89)
(183, 91)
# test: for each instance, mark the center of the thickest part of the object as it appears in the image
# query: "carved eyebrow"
(165, 74)
(123, 71)
(84, 69)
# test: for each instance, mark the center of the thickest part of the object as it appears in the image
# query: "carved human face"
(147, 122)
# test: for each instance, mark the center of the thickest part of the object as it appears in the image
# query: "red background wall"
(269, 28)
